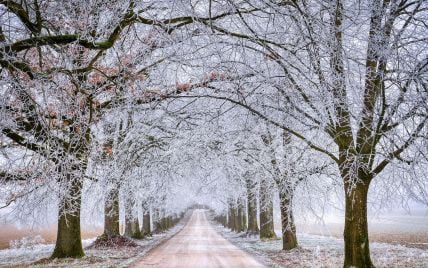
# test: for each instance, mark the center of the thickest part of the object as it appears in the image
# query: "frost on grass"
(28, 250)
(38, 255)
(323, 251)
(27, 242)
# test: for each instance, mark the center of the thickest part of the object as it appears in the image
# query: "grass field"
(10, 232)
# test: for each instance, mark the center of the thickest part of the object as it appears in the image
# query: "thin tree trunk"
(289, 238)
(111, 214)
(357, 252)
(68, 241)
(266, 211)
(240, 216)
(244, 216)
(253, 228)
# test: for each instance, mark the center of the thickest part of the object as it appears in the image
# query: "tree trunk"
(170, 221)
(357, 253)
(266, 211)
(232, 215)
(253, 228)
(224, 220)
(68, 241)
(132, 226)
(240, 216)
(157, 221)
(135, 229)
(111, 214)
(289, 238)
(163, 222)
(129, 217)
(244, 216)
(146, 230)
(238, 219)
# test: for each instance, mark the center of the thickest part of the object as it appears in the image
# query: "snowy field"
(35, 255)
(324, 251)
(398, 228)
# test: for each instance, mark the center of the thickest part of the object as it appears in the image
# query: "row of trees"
(273, 163)
(127, 99)
(348, 79)
(73, 74)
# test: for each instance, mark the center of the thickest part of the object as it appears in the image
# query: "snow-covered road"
(197, 245)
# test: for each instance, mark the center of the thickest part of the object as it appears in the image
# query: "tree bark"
(289, 238)
(111, 213)
(135, 229)
(240, 216)
(232, 215)
(266, 211)
(357, 252)
(128, 217)
(163, 222)
(132, 226)
(68, 241)
(146, 230)
(157, 221)
(253, 228)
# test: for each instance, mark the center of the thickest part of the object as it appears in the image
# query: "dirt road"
(197, 245)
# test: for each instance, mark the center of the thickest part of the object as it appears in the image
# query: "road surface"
(197, 245)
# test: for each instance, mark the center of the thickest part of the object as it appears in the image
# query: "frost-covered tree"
(348, 78)
(291, 164)
(65, 65)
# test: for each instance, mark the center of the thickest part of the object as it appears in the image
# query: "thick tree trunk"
(111, 214)
(232, 215)
(266, 211)
(238, 219)
(146, 230)
(129, 217)
(224, 220)
(240, 216)
(68, 241)
(135, 229)
(169, 222)
(357, 252)
(157, 221)
(163, 221)
(244, 216)
(132, 226)
(289, 238)
(253, 228)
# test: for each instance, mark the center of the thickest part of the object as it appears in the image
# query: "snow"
(108, 257)
(324, 251)
(30, 252)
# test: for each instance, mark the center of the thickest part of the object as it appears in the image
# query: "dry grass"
(9, 232)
